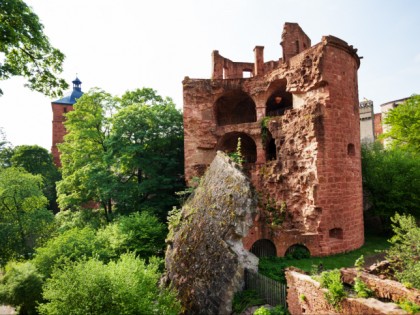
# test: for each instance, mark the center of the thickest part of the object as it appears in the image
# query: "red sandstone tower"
(60, 108)
(298, 120)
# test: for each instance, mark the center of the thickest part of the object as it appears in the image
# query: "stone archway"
(264, 248)
(228, 144)
(235, 107)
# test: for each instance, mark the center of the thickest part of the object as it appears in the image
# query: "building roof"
(71, 98)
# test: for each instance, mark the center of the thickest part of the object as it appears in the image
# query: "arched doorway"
(228, 144)
(264, 248)
(235, 107)
(297, 251)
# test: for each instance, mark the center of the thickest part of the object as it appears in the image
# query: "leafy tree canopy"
(404, 123)
(124, 153)
(37, 160)
(391, 179)
(27, 51)
(127, 286)
(24, 219)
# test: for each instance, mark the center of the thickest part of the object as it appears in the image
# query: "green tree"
(147, 152)
(87, 177)
(122, 154)
(127, 286)
(24, 220)
(37, 160)
(21, 287)
(404, 124)
(70, 246)
(27, 51)
(404, 252)
(391, 181)
(139, 233)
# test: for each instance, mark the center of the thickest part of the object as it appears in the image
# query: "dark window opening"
(270, 148)
(65, 110)
(264, 248)
(279, 101)
(351, 150)
(297, 251)
(336, 233)
(235, 107)
(229, 142)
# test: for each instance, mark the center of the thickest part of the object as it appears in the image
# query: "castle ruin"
(298, 122)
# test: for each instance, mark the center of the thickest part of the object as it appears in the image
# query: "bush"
(21, 287)
(244, 299)
(140, 233)
(262, 311)
(404, 252)
(331, 280)
(69, 246)
(127, 286)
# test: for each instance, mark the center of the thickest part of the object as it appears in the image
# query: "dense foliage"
(404, 125)
(24, 220)
(404, 253)
(37, 160)
(125, 154)
(391, 181)
(126, 286)
(27, 51)
(21, 286)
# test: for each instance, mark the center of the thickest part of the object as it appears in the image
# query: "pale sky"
(128, 44)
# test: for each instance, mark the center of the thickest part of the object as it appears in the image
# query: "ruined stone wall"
(306, 161)
(305, 296)
(205, 259)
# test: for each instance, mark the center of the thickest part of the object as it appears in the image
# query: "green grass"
(273, 267)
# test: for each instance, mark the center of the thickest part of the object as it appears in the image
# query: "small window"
(336, 233)
(65, 110)
(351, 151)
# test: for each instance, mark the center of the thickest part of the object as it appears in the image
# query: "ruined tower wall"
(303, 157)
(339, 193)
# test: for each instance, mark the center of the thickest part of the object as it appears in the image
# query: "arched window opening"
(229, 142)
(235, 107)
(264, 248)
(336, 233)
(351, 151)
(279, 100)
(297, 251)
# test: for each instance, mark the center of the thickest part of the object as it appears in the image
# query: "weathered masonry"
(298, 121)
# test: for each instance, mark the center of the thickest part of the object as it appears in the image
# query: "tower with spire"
(60, 108)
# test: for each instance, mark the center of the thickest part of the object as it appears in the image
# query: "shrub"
(21, 287)
(140, 233)
(69, 246)
(409, 307)
(127, 286)
(331, 280)
(262, 311)
(244, 299)
(404, 252)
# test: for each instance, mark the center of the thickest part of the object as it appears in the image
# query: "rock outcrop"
(205, 259)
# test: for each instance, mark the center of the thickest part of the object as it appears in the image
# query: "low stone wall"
(305, 296)
(382, 288)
